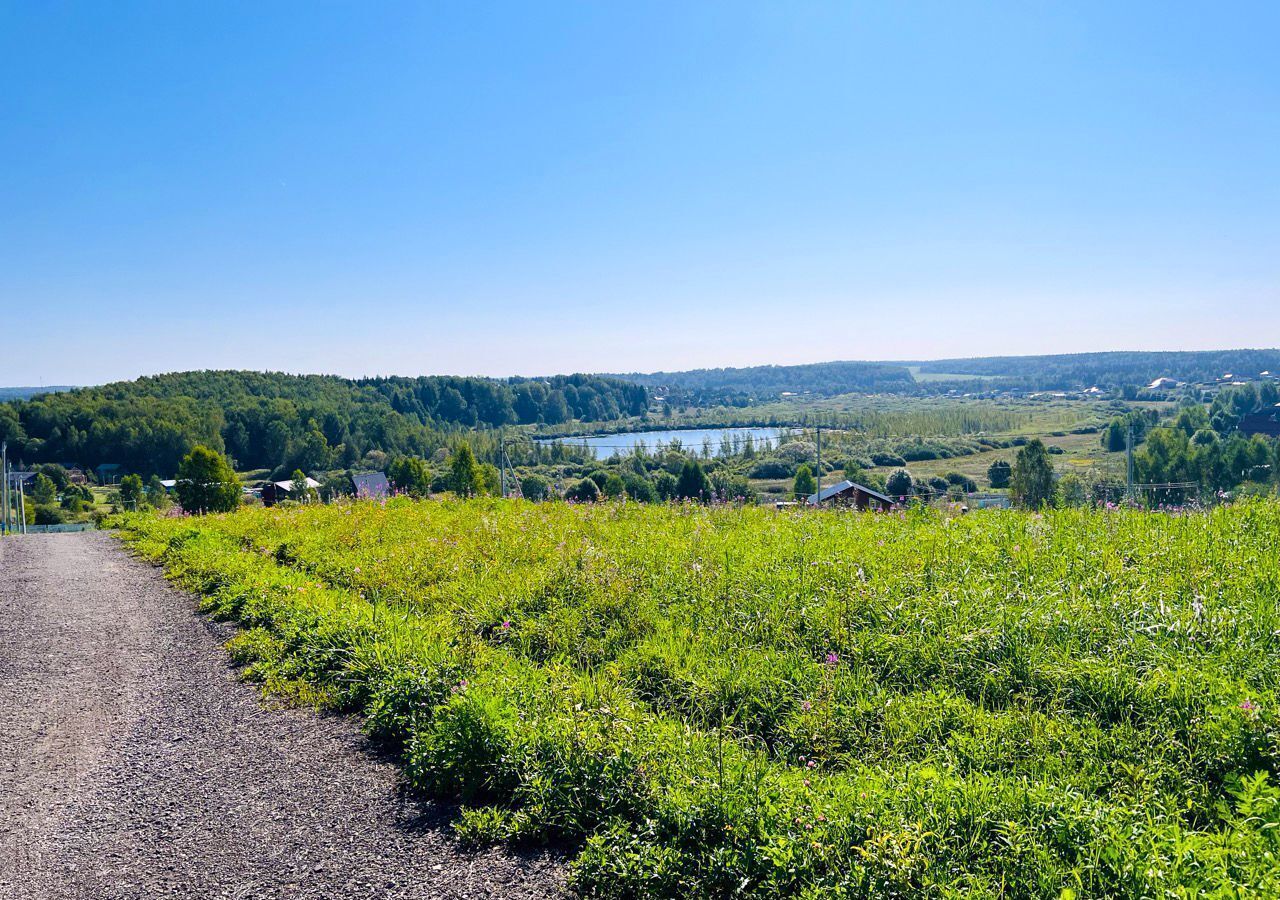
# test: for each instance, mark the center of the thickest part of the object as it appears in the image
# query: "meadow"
(714, 702)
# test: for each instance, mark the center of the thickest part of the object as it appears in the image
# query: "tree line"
(285, 422)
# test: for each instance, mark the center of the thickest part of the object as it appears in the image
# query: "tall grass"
(734, 702)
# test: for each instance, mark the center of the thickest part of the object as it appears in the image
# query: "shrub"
(899, 484)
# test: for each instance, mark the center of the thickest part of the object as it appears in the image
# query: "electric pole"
(4, 487)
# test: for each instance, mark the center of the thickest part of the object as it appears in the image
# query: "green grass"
(735, 702)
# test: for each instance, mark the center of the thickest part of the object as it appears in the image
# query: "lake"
(605, 445)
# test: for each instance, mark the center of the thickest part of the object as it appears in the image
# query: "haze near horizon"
(416, 190)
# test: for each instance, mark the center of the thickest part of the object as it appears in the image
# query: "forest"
(1076, 371)
(275, 420)
(739, 387)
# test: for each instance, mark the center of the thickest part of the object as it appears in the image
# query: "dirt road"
(133, 764)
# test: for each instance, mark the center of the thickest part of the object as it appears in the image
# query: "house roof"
(371, 483)
(840, 487)
(288, 485)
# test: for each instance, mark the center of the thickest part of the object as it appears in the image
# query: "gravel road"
(134, 764)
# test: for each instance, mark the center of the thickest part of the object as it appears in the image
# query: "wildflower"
(833, 658)
(506, 625)
(356, 570)
(1249, 707)
(810, 764)
(806, 706)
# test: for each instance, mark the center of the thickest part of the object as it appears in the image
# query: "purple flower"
(806, 706)
(1249, 707)
(506, 626)
(833, 658)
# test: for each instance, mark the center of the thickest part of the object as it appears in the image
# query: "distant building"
(75, 474)
(276, 491)
(1265, 421)
(371, 486)
(1162, 384)
(21, 479)
(846, 493)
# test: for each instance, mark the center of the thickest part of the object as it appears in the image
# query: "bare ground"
(133, 763)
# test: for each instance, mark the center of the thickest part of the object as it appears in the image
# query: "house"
(371, 486)
(276, 491)
(1266, 422)
(109, 473)
(1162, 384)
(75, 474)
(23, 480)
(846, 493)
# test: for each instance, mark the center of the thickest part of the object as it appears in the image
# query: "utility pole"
(4, 487)
(502, 460)
(22, 509)
(1128, 453)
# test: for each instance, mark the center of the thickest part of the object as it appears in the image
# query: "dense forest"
(1112, 369)
(278, 421)
(739, 387)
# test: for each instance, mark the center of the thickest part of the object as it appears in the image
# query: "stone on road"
(133, 764)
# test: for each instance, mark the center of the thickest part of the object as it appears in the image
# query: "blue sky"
(536, 188)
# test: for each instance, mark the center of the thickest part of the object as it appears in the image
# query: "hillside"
(1110, 369)
(1069, 371)
(701, 387)
(270, 420)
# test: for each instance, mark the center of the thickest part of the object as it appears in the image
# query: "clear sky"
(532, 188)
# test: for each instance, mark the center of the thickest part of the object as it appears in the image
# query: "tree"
(157, 496)
(899, 484)
(410, 475)
(44, 491)
(640, 488)
(613, 486)
(693, 483)
(534, 487)
(1032, 479)
(585, 491)
(805, 483)
(999, 473)
(466, 478)
(664, 485)
(301, 491)
(206, 482)
(132, 493)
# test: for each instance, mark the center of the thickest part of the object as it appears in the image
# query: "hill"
(276, 421)
(1069, 371)
(740, 387)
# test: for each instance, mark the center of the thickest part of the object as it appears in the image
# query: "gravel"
(133, 764)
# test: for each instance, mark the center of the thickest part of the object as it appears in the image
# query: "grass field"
(735, 702)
